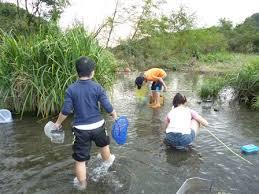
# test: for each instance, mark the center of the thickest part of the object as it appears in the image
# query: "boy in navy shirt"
(83, 98)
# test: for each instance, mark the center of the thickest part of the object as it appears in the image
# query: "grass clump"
(211, 87)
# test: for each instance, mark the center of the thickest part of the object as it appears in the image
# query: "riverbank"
(217, 63)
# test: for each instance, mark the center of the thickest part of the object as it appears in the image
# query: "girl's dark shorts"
(83, 141)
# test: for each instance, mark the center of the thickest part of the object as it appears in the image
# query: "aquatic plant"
(211, 87)
(35, 71)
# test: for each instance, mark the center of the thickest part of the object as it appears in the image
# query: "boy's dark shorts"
(156, 86)
(83, 142)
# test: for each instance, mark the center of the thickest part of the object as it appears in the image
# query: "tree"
(150, 20)
(245, 36)
(47, 9)
(225, 25)
(13, 18)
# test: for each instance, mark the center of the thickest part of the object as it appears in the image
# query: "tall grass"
(35, 71)
(246, 83)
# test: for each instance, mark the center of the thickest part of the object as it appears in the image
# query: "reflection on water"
(30, 163)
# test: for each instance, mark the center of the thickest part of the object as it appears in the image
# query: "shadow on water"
(30, 163)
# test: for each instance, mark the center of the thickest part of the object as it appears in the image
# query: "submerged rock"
(206, 104)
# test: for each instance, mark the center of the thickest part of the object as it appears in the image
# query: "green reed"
(36, 70)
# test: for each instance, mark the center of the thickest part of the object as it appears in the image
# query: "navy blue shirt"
(82, 98)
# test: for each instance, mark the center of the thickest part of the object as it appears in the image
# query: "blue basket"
(120, 130)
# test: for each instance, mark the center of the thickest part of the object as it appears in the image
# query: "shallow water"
(30, 163)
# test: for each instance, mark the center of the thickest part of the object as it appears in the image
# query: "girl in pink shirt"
(182, 123)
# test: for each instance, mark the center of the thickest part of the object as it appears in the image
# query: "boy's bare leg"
(105, 152)
(80, 171)
(152, 99)
(195, 126)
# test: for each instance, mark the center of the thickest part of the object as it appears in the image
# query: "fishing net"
(120, 130)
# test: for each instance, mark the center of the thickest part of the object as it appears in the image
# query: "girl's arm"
(163, 83)
(199, 118)
(167, 121)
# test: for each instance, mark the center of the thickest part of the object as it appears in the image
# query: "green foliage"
(172, 48)
(211, 87)
(35, 70)
(216, 57)
(200, 41)
(246, 81)
(245, 37)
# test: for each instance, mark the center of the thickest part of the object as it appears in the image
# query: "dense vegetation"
(170, 42)
(35, 71)
(36, 68)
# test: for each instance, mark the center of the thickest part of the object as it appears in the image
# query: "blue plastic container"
(249, 149)
(120, 130)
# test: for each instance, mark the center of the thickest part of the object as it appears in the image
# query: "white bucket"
(55, 135)
(195, 185)
(5, 116)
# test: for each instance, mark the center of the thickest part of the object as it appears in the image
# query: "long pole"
(229, 148)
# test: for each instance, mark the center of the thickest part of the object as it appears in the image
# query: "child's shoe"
(156, 106)
(78, 185)
(151, 104)
(110, 161)
(99, 156)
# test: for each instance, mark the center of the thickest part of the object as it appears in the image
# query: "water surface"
(30, 163)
